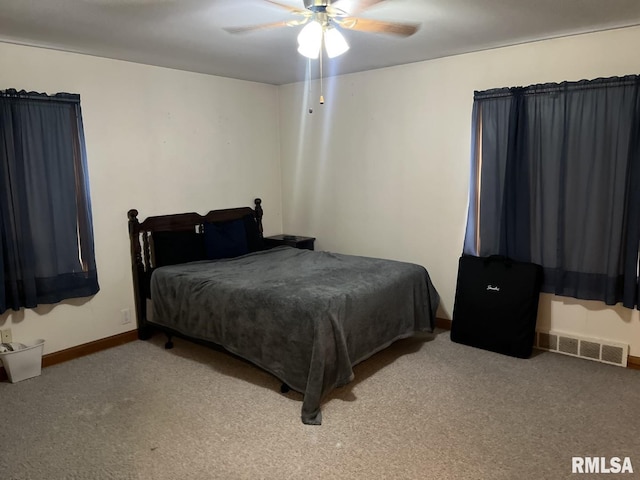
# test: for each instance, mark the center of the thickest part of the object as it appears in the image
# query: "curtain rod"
(627, 80)
(23, 94)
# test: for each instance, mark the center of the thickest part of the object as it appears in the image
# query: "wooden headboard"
(142, 252)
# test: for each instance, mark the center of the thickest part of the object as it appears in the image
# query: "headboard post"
(138, 271)
(258, 202)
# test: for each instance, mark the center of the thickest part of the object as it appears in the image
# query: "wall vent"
(568, 345)
(613, 354)
(597, 349)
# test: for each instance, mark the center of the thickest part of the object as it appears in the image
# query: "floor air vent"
(596, 349)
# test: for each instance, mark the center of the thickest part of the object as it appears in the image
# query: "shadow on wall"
(11, 317)
(547, 300)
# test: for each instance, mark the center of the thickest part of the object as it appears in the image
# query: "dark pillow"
(254, 239)
(177, 247)
(225, 239)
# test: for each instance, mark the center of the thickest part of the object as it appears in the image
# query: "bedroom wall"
(382, 169)
(158, 140)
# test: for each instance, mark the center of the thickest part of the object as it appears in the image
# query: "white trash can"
(25, 362)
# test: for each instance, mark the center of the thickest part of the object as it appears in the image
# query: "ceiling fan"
(323, 20)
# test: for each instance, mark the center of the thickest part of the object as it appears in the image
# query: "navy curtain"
(556, 181)
(46, 233)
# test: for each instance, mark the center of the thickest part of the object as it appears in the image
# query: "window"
(46, 233)
(556, 181)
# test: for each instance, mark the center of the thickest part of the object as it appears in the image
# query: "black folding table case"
(496, 304)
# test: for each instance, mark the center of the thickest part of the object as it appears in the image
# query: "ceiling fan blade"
(253, 28)
(286, 7)
(355, 6)
(378, 26)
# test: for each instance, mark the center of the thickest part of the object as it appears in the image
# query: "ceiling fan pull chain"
(309, 83)
(321, 96)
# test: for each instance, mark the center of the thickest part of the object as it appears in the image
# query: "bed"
(307, 317)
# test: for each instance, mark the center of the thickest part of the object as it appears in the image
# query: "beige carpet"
(423, 409)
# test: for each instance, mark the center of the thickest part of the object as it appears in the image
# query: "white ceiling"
(189, 35)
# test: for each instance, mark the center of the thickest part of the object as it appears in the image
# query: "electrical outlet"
(126, 316)
(6, 335)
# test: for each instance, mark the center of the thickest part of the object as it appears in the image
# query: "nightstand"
(290, 240)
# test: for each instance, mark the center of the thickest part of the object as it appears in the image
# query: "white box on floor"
(24, 363)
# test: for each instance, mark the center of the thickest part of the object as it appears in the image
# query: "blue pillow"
(225, 239)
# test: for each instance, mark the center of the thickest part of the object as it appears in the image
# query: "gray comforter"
(307, 317)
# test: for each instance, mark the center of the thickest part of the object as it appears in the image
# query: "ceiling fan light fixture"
(310, 40)
(334, 42)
